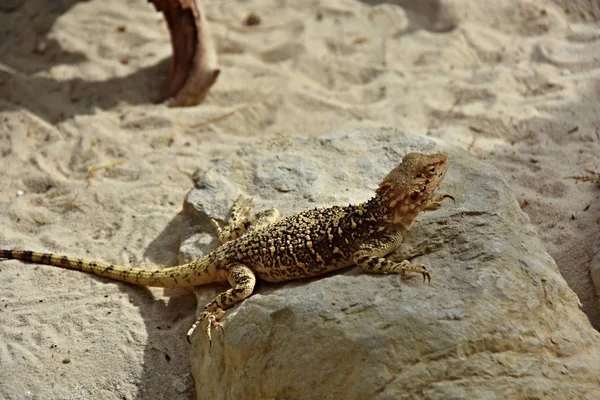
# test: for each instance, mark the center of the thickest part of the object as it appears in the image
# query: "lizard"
(302, 245)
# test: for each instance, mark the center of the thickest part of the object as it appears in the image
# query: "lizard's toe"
(217, 325)
(425, 273)
(190, 332)
(211, 320)
(406, 267)
(420, 268)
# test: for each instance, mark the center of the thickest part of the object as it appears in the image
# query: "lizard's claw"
(211, 320)
(436, 202)
(446, 196)
(425, 273)
(190, 332)
(420, 268)
(212, 323)
(216, 225)
(406, 267)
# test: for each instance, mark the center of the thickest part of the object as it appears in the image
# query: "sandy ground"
(514, 82)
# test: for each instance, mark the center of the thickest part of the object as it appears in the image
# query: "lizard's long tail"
(196, 273)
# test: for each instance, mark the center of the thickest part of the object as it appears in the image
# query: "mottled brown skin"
(302, 245)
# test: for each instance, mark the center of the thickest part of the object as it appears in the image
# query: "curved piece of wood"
(193, 67)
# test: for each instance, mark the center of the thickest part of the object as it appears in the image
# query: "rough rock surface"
(497, 320)
(595, 266)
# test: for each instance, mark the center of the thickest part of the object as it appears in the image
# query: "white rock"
(497, 321)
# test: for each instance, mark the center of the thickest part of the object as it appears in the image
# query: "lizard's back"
(307, 244)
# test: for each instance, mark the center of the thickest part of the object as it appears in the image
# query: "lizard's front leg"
(436, 202)
(370, 257)
(242, 281)
(241, 222)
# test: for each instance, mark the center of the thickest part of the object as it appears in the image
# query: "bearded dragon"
(306, 244)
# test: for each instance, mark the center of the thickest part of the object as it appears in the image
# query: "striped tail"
(196, 273)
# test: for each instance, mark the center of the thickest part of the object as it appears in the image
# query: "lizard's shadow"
(166, 361)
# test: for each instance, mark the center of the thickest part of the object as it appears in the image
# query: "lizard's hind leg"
(263, 219)
(242, 281)
(241, 222)
(238, 222)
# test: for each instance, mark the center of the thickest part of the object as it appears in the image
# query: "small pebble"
(41, 47)
(252, 20)
(20, 193)
(66, 361)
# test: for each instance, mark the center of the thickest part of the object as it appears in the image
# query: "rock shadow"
(53, 100)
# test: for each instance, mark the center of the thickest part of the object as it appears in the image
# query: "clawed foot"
(242, 206)
(211, 320)
(436, 202)
(238, 220)
(407, 267)
(223, 234)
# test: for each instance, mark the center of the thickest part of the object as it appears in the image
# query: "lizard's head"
(409, 187)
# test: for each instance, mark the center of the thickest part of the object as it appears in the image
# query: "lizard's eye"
(430, 170)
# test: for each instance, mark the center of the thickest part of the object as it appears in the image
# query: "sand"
(514, 82)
